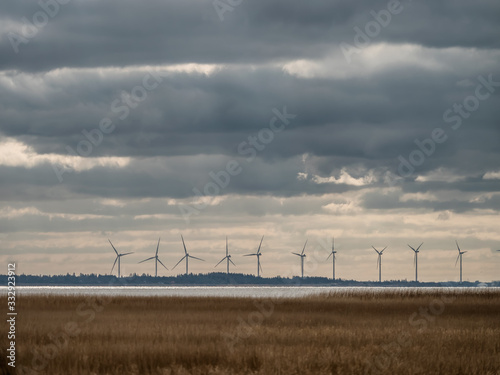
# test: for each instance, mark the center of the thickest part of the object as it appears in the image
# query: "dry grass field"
(385, 334)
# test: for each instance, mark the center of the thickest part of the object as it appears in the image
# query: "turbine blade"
(415, 259)
(113, 246)
(185, 251)
(162, 264)
(412, 248)
(419, 246)
(232, 262)
(226, 247)
(381, 251)
(458, 247)
(304, 248)
(179, 262)
(220, 262)
(196, 258)
(333, 243)
(145, 260)
(258, 250)
(158, 246)
(249, 255)
(122, 255)
(375, 249)
(329, 256)
(378, 260)
(112, 268)
(260, 265)
(458, 256)
(463, 252)
(297, 254)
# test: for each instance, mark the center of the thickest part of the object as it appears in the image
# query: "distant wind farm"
(228, 259)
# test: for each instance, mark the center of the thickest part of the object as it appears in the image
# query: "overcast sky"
(376, 122)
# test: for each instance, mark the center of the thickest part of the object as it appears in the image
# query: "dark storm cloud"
(348, 121)
(120, 33)
(166, 178)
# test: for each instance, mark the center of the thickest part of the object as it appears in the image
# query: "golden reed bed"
(365, 334)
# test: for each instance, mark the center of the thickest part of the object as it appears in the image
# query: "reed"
(388, 333)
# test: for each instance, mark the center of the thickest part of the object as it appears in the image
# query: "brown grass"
(313, 335)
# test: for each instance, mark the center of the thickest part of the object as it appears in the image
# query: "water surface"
(235, 291)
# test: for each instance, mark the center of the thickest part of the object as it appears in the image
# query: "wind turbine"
(379, 262)
(302, 256)
(334, 256)
(228, 257)
(118, 256)
(257, 254)
(186, 256)
(156, 260)
(460, 253)
(415, 259)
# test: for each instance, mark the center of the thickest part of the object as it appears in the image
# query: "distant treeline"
(214, 279)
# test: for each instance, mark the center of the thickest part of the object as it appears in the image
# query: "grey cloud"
(119, 33)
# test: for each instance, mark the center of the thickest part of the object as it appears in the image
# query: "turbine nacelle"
(417, 250)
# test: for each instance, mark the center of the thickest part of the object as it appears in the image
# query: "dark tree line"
(210, 279)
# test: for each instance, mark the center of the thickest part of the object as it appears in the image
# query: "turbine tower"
(460, 253)
(379, 262)
(156, 260)
(334, 256)
(257, 254)
(415, 259)
(186, 256)
(118, 256)
(227, 257)
(302, 256)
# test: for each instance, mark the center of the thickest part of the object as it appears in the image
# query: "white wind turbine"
(459, 256)
(379, 262)
(186, 256)
(302, 256)
(118, 256)
(156, 259)
(257, 254)
(227, 257)
(415, 259)
(334, 256)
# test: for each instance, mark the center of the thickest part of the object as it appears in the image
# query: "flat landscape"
(388, 333)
